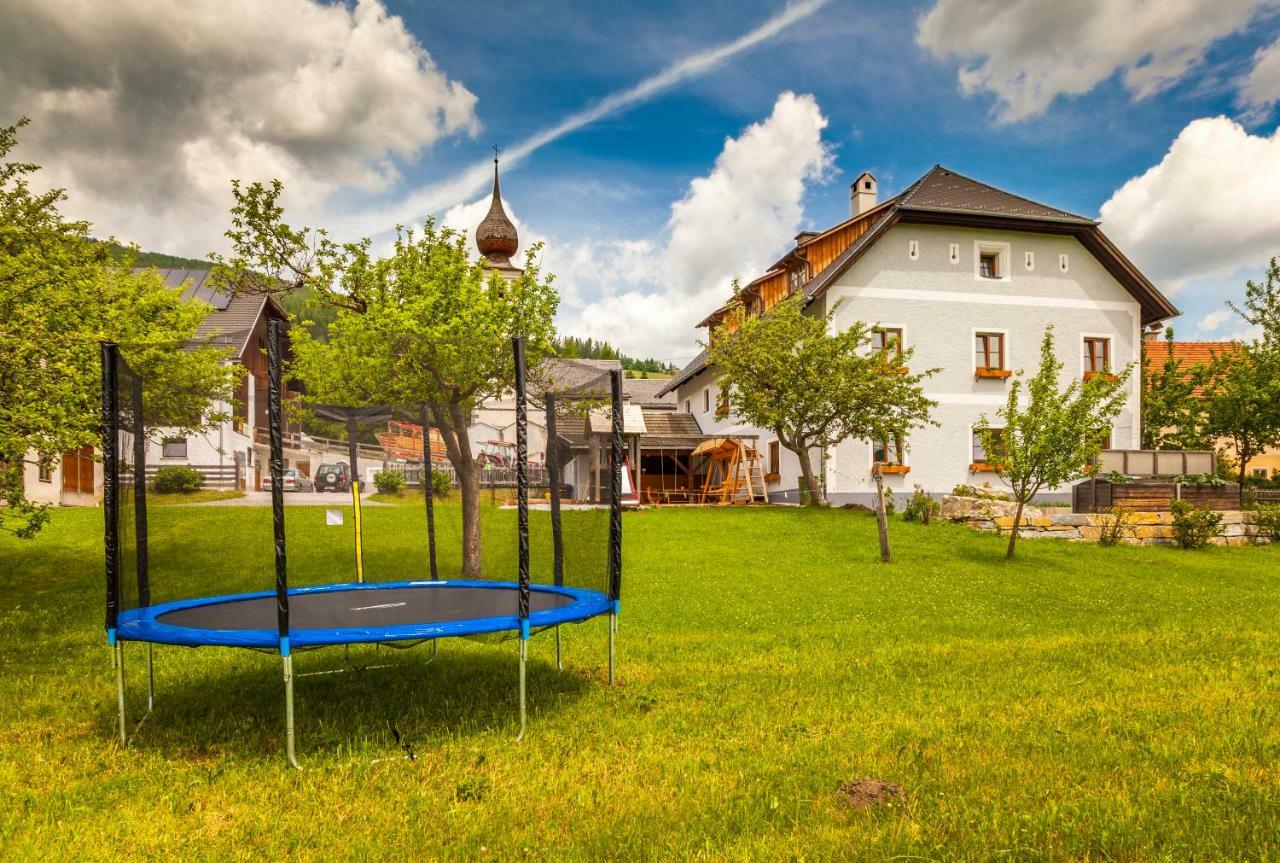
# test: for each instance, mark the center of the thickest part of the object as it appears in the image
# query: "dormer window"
(796, 277)
(991, 261)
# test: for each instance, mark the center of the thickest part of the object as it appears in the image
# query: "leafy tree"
(1242, 397)
(424, 325)
(1052, 438)
(1242, 401)
(1174, 415)
(1262, 305)
(61, 293)
(812, 387)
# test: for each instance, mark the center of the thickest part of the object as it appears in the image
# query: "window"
(1097, 356)
(722, 403)
(989, 265)
(991, 261)
(1106, 439)
(887, 341)
(888, 452)
(706, 400)
(174, 447)
(687, 408)
(979, 452)
(1258, 472)
(45, 471)
(796, 277)
(775, 456)
(989, 351)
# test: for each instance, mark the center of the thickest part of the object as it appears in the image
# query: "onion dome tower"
(496, 236)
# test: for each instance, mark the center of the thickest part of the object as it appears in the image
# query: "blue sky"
(1064, 106)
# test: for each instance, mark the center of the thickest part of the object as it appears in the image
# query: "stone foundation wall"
(1144, 528)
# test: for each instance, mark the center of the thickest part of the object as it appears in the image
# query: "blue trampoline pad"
(359, 613)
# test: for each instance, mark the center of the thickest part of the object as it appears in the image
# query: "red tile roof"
(1188, 354)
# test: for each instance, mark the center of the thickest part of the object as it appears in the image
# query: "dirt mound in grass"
(866, 792)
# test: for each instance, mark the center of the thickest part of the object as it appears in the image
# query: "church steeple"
(496, 236)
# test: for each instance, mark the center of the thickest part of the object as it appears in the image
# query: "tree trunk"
(1244, 453)
(451, 423)
(1017, 525)
(882, 518)
(810, 492)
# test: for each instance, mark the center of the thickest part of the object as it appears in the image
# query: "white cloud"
(1028, 52)
(437, 196)
(1207, 209)
(1260, 89)
(1213, 320)
(145, 110)
(733, 222)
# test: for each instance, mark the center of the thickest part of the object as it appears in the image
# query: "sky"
(659, 150)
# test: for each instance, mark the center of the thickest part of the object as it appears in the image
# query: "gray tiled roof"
(648, 393)
(573, 376)
(689, 372)
(943, 190)
(671, 429)
(234, 316)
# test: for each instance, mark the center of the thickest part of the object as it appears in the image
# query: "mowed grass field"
(1080, 703)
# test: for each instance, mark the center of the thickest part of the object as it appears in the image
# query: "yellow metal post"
(355, 502)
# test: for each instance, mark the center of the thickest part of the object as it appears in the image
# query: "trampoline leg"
(613, 628)
(288, 713)
(119, 652)
(559, 655)
(151, 677)
(524, 653)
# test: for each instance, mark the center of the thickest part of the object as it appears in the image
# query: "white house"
(968, 276)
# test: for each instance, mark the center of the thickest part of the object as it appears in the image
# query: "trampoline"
(398, 612)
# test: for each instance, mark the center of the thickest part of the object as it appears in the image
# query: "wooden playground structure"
(404, 440)
(717, 471)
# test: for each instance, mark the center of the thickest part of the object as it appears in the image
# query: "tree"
(61, 293)
(1056, 435)
(1174, 415)
(1242, 402)
(1262, 305)
(1242, 396)
(812, 387)
(423, 325)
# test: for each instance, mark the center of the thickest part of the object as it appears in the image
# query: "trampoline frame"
(142, 624)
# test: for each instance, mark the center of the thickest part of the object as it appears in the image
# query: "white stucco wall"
(940, 304)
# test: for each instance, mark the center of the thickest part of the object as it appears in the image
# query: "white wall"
(940, 304)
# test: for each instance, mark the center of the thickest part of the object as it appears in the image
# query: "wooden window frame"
(994, 258)
(722, 403)
(985, 369)
(706, 400)
(979, 461)
(775, 459)
(898, 443)
(44, 471)
(1087, 359)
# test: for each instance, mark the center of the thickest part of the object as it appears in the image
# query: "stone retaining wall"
(1145, 528)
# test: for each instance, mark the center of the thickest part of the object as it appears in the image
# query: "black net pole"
(110, 484)
(140, 493)
(276, 423)
(428, 490)
(522, 474)
(555, 478)
(615, 502)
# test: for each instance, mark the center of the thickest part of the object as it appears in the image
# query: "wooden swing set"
(735, 472)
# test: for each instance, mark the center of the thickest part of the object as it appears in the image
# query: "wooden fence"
(1094, 495)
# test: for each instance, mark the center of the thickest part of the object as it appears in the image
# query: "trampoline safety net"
(555, 428)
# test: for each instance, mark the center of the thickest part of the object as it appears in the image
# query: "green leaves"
(60, 295)
(790, 373)
(1051, 437)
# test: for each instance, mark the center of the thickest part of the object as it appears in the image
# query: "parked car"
(333, 477)
(292, 481)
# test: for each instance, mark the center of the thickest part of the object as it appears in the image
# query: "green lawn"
(1081, 703)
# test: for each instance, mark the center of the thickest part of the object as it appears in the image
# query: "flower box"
(992, 373)
(981, 467)
(894, 468)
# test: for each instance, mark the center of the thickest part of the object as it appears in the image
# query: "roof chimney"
(862, 193)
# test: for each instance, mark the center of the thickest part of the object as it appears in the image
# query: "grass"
(204, 495)
(1080, 703)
